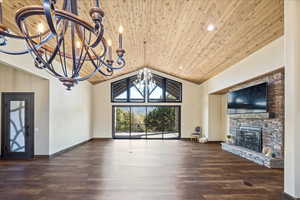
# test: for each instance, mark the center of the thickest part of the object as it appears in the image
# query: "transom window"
(163, 90)
(126, 91)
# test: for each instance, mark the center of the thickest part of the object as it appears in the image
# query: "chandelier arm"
(50, 15)
(39, 58)
(53, 54)
(80, 63)
(7, 34)
(76, 74)
(27, 11)
(49, 66)
(111, 72)
(121, 62)
(98, 39)
(64, 64)
(96, 66)
(61, 61)
(28, 50)
(104, 48)
(90, 56)
(31, 54)
(62, 34)
(73, 48)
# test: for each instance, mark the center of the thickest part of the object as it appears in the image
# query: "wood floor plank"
(140, 170)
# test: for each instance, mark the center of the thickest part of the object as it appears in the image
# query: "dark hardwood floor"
(140, 170)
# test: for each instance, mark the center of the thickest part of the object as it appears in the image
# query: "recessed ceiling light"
(211, 27)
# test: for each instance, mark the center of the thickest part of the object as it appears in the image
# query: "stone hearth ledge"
(256, 157)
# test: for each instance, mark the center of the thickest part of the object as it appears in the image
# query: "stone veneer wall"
(272, 128)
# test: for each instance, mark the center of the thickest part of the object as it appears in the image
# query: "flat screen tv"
(249, 100)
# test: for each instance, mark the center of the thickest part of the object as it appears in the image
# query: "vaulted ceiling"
(175, 31)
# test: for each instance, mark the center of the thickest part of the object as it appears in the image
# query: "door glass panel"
(172, 123)
(154, 122)
(122, 122)
(138, 116)
(17, 126)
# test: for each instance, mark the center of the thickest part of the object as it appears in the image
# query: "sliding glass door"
(138, 126)
(146, 122)
(122, 122)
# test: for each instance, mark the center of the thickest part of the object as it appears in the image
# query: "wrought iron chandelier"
(61, 35)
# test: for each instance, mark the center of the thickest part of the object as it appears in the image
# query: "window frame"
(164, 91)
(128, 86)
(146, 92)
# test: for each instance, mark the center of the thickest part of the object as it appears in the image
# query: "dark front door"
(17, 125)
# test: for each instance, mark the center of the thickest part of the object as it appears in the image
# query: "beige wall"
(292, 98)
(102, 107)
(69, 115)
(13, 80)
(265, 60)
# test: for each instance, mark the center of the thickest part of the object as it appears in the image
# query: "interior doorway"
(17, 125)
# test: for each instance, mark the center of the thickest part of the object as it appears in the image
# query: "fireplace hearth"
(250, 138)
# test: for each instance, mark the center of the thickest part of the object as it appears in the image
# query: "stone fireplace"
(250, 138)
(253, 132)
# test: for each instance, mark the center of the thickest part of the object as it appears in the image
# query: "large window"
(126, 91)
(163, 90)
(146, 122)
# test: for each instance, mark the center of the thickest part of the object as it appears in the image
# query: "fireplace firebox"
(250, 138)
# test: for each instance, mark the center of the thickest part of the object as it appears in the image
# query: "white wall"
(70, 115)
(69, 111)
(265, 60)
(13, 80)
(292, 98)
(215, 119)
(102, 106)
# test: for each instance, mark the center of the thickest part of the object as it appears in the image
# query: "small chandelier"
(63, 36)
(144, 78)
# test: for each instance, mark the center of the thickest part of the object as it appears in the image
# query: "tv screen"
(248, 100)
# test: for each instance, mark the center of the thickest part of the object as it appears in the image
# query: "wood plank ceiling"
(175, 31)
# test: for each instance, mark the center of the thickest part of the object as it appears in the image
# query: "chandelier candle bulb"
(1, 17)
(120, 36)
(40, 28)
(109, 49)
(77, 48)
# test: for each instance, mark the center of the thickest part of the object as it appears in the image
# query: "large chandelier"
(61, 35)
